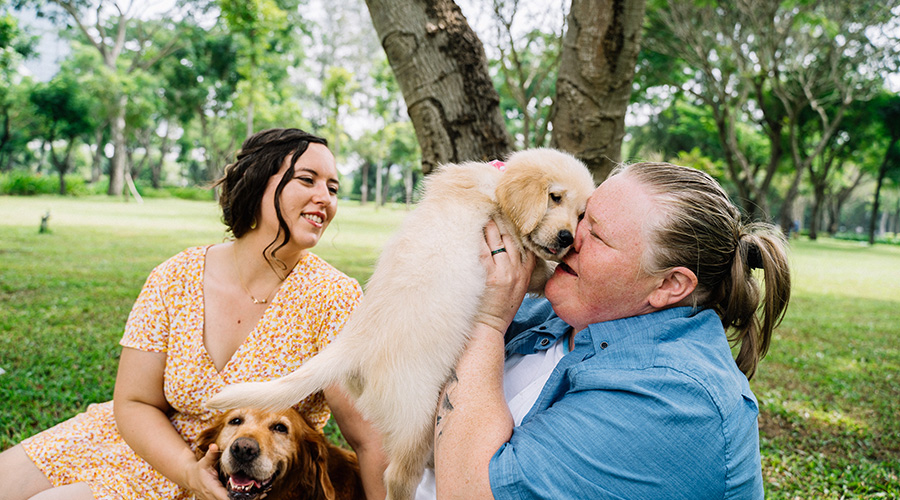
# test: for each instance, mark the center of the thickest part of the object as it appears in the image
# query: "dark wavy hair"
(242, 186)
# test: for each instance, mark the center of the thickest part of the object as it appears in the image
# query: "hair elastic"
(754, 256)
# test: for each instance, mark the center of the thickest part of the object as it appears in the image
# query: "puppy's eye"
(280, 428)
(236, 421)
(580, 216)
(556, 197)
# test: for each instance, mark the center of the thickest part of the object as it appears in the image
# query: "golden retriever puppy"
(403, 341)
(277, 455)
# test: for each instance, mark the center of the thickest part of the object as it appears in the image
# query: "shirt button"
(544, 342)
(603, 345)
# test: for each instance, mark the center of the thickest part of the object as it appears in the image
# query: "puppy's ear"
(522, 196)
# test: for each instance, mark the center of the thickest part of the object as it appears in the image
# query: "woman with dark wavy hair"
(252, 308)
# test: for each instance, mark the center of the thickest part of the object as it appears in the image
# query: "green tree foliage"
(788, 70)
(15, 47)
(525, 73)
(263, 31)
(64, 111)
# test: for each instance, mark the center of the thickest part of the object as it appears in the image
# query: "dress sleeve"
(344, 297)
(617, 436)
(147, 328)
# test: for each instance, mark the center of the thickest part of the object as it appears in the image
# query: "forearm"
(363, 438)
(473, 419)
(148, 431)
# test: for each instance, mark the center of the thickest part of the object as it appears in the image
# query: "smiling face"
(258, 448)
(265, 454)
(602, 278)
(308, 200)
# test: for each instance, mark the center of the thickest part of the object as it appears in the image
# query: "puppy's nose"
(245, 449)
(565, 238)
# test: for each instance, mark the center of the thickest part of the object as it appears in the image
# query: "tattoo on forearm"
(445, 406)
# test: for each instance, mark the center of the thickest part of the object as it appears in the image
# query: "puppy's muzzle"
(244, 450)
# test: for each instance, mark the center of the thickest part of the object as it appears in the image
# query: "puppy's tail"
(316, 374)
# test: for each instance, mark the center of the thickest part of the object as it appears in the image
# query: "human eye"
(333, 189)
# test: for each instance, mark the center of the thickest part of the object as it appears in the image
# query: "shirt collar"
(635, 330)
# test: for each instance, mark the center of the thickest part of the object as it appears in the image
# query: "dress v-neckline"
(201, 297)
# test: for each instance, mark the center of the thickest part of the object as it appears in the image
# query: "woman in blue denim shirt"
(621, 383)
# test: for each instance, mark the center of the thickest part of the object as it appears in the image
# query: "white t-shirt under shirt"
(523, 378)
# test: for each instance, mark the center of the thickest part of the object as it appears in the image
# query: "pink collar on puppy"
(499, 165)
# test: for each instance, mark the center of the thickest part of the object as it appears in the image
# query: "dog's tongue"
(241, 480)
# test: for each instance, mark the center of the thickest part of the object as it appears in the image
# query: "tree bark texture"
(442, 71)
(596, 72)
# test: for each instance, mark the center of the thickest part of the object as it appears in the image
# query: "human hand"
(204, 478)
(508, 274)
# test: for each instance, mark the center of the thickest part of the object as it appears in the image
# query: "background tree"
(593, 87)
(264, 28)
(890, 165)
(442, 70)
(104, 25)
(64, 111)
(712, 42)
(15, 47)
(769, 63)
(526, 68)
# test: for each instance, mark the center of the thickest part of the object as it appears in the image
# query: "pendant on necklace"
(257, 301)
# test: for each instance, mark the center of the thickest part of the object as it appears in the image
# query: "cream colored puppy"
(401, 344)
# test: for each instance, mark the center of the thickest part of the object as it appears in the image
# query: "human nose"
(580, 231)
(321, 194)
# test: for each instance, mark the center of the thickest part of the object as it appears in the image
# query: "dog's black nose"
(245, 449)
(565, 238)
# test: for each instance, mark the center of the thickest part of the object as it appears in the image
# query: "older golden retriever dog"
(277, 455)
(401, 344)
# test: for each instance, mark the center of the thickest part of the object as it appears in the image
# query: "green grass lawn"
(829, 390)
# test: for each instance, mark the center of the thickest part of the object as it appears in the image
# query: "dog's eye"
(556, 198)
(236, 421)
(280, 428)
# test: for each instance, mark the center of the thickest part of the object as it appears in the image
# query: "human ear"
(676, 285)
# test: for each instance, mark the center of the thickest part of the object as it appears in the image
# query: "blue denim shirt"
(648, 407)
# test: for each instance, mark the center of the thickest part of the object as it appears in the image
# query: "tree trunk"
(876, 202)
(117, 166)
(157, 167)
(96, 157)
(364, 186)
(379, 170)
(816, 214)
(593, 88)
(408, 184)
(787, 206)
(442, 71)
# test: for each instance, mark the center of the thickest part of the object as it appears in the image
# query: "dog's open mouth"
(553, 253)
(243, 487)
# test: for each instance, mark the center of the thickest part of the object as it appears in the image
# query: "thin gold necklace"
(237, 269)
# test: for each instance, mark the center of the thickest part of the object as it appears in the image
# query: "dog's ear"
(208, 437)
(319, 452)
(522, 196)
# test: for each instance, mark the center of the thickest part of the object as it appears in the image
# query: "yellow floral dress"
(309, 309)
